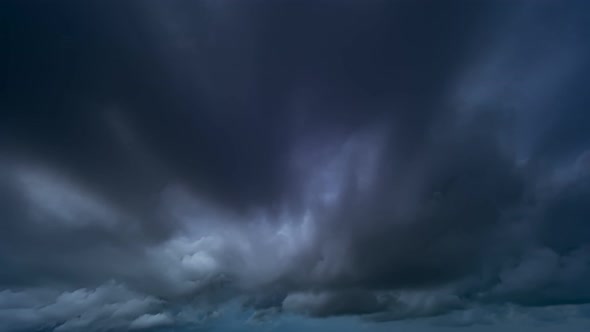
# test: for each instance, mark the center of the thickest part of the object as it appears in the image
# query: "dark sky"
(236, 165)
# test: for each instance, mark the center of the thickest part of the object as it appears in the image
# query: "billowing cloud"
(385, 160)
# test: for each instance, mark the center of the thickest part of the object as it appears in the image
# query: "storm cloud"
(386, 160)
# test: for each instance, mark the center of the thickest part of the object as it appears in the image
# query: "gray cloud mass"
(387, 160)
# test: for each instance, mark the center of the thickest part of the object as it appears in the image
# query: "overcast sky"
(283, 165)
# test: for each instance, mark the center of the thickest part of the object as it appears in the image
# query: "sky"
(289, 165)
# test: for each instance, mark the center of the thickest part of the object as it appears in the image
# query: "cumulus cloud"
(110, 306)
(150, 321)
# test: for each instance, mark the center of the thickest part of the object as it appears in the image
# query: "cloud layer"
(388, 160)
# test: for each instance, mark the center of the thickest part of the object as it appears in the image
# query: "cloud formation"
(387, 160)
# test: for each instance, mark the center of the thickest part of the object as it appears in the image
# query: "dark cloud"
(390, 159)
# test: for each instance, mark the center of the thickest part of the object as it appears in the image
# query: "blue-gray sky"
(288, 165)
